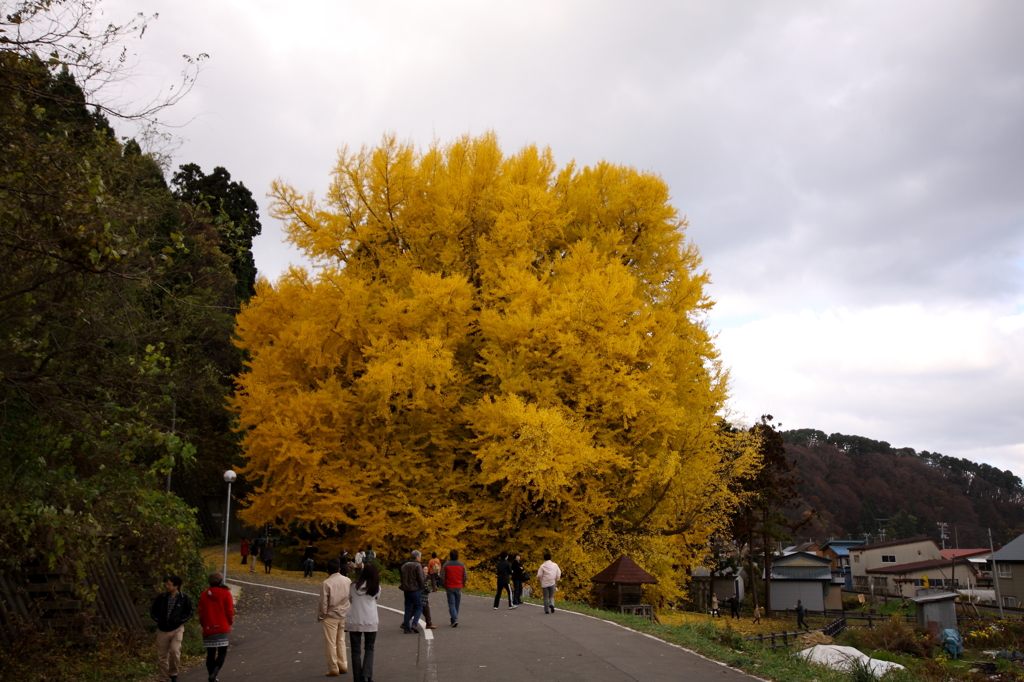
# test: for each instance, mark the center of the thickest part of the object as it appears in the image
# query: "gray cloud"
(838, 155)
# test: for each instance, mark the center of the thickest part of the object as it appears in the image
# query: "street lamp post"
(229, 478)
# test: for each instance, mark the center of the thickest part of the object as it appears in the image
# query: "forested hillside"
(862, 486)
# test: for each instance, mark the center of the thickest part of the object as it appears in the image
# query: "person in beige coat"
(334, 604)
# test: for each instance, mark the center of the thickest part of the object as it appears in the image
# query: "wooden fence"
(38, 598)
(790, 638)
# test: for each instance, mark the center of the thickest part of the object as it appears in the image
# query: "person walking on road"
(549, 574)
(170, 611)
(801, 611)
(346, 565)
(334, 605)
(453, 577)
(504, 573)
(426, 600)
(245, 551)
(216, 615)
(268, 556)
(434, 571)
(308, 560)
(256, 551)
(518, 575)
(362, 622)
(412, 585)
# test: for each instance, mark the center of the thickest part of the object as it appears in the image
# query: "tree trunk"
(767, 565)
(750, 557)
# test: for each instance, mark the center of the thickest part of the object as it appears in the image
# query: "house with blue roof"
(838, 551)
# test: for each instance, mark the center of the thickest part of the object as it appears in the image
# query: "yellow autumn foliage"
(491, 353)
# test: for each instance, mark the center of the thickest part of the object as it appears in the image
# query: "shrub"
(730, 638)
(898, 637)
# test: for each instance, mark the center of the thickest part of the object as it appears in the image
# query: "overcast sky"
(853, 172)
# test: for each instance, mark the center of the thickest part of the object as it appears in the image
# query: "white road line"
(423, 626)
(272, 587)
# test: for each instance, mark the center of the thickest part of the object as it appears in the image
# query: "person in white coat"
(548, 574)
(362, 621)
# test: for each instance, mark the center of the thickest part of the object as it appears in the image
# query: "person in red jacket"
(216, 614)
(453, 578)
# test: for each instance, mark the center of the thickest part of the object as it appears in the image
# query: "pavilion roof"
(624, 570)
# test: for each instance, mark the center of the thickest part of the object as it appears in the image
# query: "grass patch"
(723, 640)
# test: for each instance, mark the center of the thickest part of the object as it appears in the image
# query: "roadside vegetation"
(723, 640)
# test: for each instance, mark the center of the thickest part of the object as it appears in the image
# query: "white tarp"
(839, 658)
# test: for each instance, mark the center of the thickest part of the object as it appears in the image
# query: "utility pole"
(995, 572)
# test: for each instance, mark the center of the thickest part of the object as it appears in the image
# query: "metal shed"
(802, 576)
(937, 612)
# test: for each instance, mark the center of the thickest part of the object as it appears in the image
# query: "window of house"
(856, 558)
(888, 558)
(1004, 570)
(1009, 601)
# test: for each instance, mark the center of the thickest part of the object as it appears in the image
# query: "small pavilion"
(620, 585)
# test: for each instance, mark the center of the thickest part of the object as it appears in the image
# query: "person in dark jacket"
(170, 611)
(412, 585)
(504, 573)
(216, 615)
(801, 614)
(518, 575)
(309, 561)
(453, 578)
(268, 556)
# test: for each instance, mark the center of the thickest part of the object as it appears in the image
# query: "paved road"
(276, 638)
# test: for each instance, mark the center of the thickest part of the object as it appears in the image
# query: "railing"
(790, 638)
(642, 610)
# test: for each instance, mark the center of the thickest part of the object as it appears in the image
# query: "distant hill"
(858, 485)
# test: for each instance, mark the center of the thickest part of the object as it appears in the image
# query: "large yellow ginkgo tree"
(491, 353)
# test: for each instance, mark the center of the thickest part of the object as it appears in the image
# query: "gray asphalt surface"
(276, 637)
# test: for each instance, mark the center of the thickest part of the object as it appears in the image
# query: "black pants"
(215, 659)
(517, 590)
(362, 662)
(503, 588)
